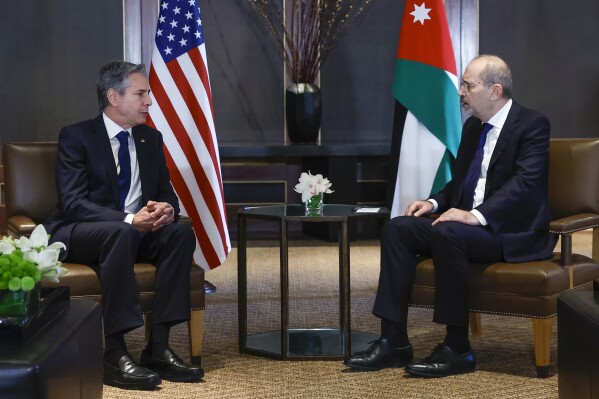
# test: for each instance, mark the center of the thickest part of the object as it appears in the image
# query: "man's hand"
(143, 221)
(153, 216)
(162, 213)
(457, 215)
(419, 208)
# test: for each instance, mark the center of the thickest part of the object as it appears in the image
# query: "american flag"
(182, 111)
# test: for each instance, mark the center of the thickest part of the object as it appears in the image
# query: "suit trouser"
(114, 247)
(451, 245)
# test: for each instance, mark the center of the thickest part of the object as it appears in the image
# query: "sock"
(457, 339)
(158, 341)
(395, 333)
(114, 347)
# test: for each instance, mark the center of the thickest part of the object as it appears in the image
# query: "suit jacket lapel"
(143, 158)
(105, 152)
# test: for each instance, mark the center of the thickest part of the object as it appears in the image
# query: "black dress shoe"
(171, 367)
(209, 288)
(443, 361)
(127, 374)
(379, 355)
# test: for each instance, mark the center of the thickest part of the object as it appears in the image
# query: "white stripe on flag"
(420, 156)
(187, 120)
(208, 221)
(184, 168)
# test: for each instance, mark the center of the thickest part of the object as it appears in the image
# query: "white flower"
(310, 185)
(38, 240)
(36, 249)
(6, 246)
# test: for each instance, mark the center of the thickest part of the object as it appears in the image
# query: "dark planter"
(303, 109)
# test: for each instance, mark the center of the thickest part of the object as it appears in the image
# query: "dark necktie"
(125, 168)
(474, 169)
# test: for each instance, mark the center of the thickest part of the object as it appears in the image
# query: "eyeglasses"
(469, 86)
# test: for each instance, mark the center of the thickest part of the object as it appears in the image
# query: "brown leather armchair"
(531, 289)
(30, 191)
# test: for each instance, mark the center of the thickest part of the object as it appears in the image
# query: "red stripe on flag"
(187, 199)
(198, 61)
(184, 140)
(428, 42)
(194, 108)
(202, 125)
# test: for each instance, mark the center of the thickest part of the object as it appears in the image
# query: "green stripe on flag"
(430, 95)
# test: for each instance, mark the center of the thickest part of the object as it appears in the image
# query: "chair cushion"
(83, 281)
(523, 289)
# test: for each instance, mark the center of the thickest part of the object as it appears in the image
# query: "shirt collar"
(112, 128)
(500, 116)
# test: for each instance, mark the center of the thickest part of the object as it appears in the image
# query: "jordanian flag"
(427, 123)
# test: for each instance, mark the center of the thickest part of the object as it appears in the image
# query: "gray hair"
(114, 75)
(497, 71)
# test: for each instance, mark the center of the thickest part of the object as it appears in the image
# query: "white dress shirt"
(497, 120)
(133, 199)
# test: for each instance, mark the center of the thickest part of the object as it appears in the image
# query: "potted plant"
(24, 262)
(313, 188)
(304, 32)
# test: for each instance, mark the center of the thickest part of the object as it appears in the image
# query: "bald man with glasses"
(494, 209)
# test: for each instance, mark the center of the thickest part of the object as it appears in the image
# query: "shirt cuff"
(435, 205)
(129, 218)
(480, 217)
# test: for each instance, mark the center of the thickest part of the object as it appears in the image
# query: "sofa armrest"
(19, 226)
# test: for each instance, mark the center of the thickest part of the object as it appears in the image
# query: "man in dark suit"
(494, 209)
(117, 206)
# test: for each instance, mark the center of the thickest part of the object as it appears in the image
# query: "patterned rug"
(505, 353)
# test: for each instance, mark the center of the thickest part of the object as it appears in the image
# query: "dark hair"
(114, 75)
(497, 71)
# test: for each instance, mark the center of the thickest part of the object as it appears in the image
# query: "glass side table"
(301, 343)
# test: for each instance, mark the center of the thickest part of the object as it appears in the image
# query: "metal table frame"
(283, 214)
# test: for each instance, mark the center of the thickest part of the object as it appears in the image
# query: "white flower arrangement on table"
(25, 261)
(312, 185)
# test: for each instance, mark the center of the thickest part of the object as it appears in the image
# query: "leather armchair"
(30, 189)
(530, 289)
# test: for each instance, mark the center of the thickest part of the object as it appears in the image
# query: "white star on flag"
(420, 13)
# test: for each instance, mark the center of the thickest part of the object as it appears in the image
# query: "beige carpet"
(505, 355)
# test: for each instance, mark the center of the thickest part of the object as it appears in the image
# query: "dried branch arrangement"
(307, 34)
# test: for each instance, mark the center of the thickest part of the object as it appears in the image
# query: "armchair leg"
(195, 327)
(475, 325)
(542, 329)
(147, 326)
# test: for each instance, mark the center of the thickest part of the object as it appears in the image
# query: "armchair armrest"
(185, 220)
(571, 224)
(19, 226)
(574, 223)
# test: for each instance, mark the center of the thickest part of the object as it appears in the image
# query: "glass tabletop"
(329, 211)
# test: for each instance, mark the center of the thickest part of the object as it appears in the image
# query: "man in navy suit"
(117, 206)
(494, 209)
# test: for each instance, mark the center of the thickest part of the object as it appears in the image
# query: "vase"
(303, 110)
(18, 307)
(314, 205)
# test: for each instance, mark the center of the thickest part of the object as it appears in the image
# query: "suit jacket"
(87, 179)
(515, 202)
